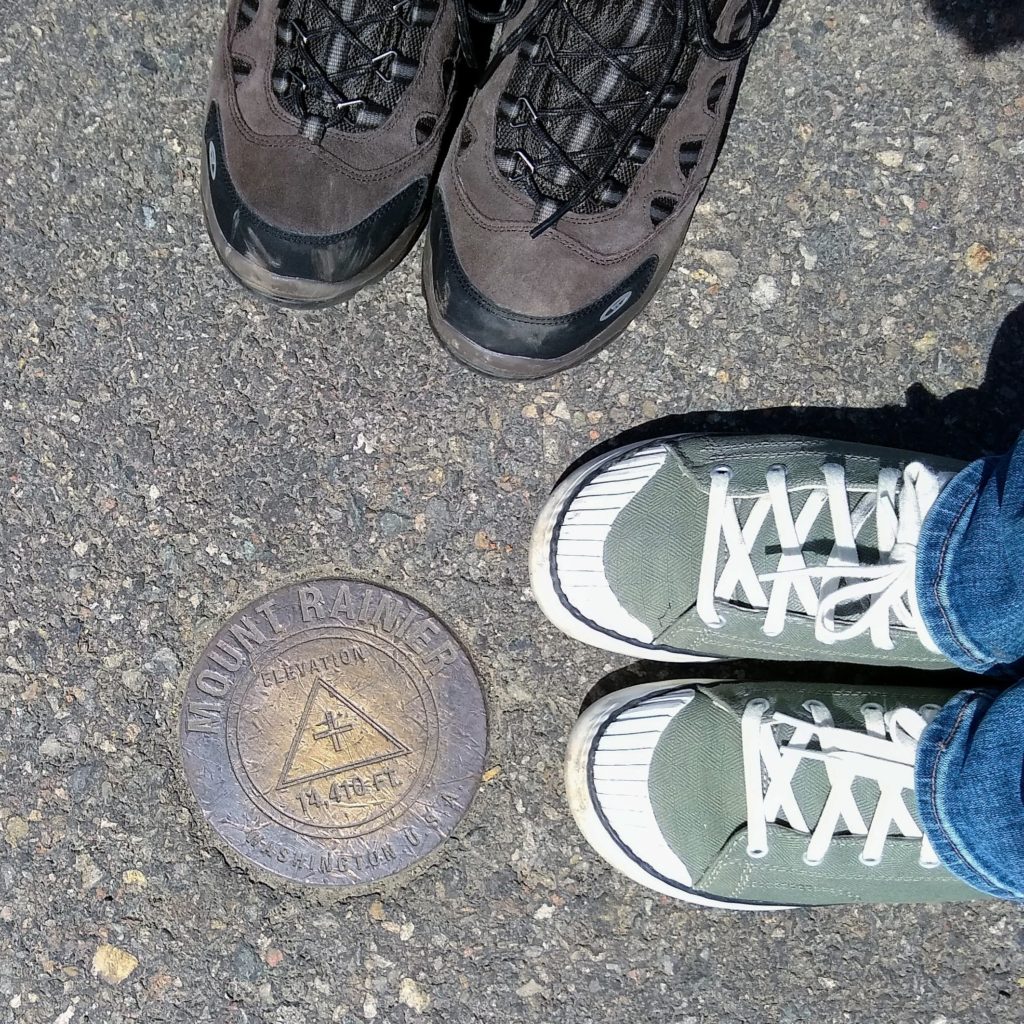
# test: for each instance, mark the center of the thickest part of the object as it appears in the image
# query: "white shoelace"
(888, 586)
(884, 752)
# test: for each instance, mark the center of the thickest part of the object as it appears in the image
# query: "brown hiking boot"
(575, 173)
(325, 127)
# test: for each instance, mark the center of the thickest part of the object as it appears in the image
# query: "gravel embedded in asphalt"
(173, 448)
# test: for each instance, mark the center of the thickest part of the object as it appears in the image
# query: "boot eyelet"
(382, 65)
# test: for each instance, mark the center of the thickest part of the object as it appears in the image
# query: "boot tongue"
(368, 49)
(613, 54)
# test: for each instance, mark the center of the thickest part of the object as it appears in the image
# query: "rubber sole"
(544, 586)
(587, 817)
(297, 293)
(507, 367)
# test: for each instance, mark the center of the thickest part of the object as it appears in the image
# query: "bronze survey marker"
(333, 732)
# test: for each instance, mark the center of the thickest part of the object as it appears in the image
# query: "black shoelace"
(582, 113)
(346, 63)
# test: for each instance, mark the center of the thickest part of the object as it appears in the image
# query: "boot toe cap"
(295, 266)
(501, 341)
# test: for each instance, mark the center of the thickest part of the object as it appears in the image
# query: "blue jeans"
(970, 589)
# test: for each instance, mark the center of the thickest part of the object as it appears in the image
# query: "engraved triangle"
(334, 735)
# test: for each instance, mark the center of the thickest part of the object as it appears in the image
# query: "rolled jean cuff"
(944, 525)
(947, 814)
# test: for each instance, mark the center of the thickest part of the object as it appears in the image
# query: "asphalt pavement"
(173, 448)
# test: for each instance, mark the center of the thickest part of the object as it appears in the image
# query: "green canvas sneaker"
(696, 547)
(760, 796)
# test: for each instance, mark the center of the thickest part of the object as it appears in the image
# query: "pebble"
(978, 257)
(410, 994)
(52, 748)
(88, 871)
(112, 964)
(15, 830)
(810, 256)
(723, 263)
(765, 292)
(530, 989)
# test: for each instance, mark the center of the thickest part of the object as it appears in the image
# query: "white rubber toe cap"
(567, 563)
(607, 773)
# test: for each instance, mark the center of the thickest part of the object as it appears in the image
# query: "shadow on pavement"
(965, 425)
(987, 26)
(825, 673)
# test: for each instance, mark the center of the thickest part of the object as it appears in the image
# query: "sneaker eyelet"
(812, 863)
(757, 853)
(869, 862)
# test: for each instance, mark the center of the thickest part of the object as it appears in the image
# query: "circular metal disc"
(333, 732)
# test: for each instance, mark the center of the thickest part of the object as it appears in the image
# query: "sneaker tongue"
(811, 786)
(367, 48)
(816, 551)
(696, 776)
